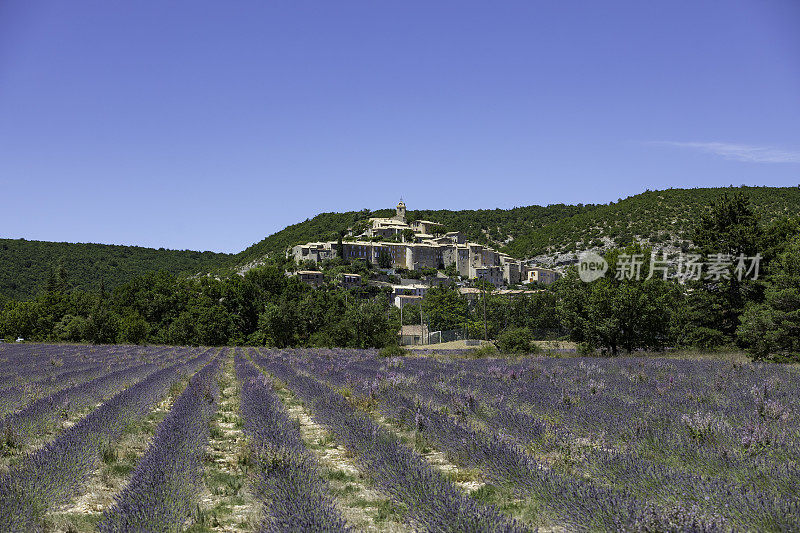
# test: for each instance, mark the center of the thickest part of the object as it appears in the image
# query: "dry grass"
(452, 345)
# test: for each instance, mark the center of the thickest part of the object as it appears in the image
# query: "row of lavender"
(434, 503)
(575, 502)
(165, 486)
(287, 479)
(43, 362)
(731, 422)
(738, 485)
(714, 437)
(649, 455)
(31, 372)
(38, 361)
(54, 474)
(40, 415)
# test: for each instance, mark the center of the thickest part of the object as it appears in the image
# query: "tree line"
(267, 307)
(27, 266)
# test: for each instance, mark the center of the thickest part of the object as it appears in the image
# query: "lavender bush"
(55, 473)
(602, 443)
(295, 496)
(434, 502)
(165, 487)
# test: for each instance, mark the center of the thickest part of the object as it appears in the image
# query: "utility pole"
(401, 320)
(485, 324)
(466, 321)
(421, 327)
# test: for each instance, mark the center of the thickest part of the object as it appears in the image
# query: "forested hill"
(660, 217)
(27, 266)
(656, 216)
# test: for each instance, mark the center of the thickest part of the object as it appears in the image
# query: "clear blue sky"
(211, 124)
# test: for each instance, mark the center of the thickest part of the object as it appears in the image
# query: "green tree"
(279, 323)
(61, 278)
(372, 325)
(411, 314)
(732, 228)
(771, 330)
(181, 330)
(20, 319)
(340, 246)
(536, 312)
(133, 329)
(71, 329)
(619, 314)
(103, 325)
(384, 259)
(444, 309)
(516, 340)
(214, 326)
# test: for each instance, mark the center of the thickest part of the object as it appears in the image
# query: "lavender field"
(131, 438)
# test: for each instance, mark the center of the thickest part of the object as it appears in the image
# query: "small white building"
(414, 334)
(470, 293)
(314, 251)
(426, 227)
(415, 289)
(544, 276)
(314, 278)
(350, 280)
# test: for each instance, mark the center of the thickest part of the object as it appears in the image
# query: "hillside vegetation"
(729, 305)
(655, 217)
(325, 226)
(26, 266)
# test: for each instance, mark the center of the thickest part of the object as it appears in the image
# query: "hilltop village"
(420, 245)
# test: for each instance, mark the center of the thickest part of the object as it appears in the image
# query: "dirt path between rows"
(227, 504)
(364, 507)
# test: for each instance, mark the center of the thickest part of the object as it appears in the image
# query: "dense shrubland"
(263, 306)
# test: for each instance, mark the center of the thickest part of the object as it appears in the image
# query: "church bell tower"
(401, 212)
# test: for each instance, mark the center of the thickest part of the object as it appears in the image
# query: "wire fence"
(437, 337)
(434, 337)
